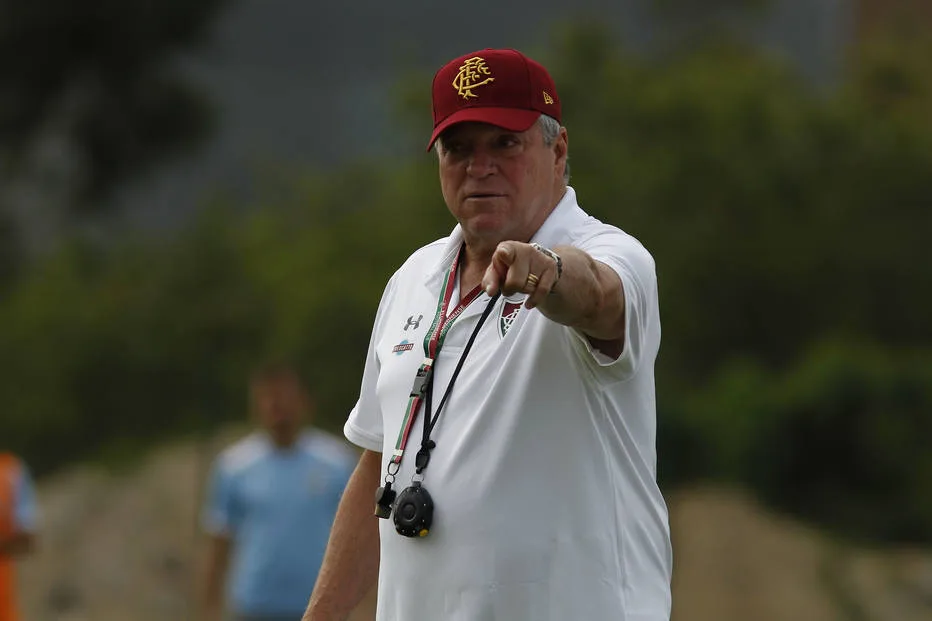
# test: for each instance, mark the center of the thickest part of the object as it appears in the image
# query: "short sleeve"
(219, 515)
(635, 267)
(25, 509)
(364, 425)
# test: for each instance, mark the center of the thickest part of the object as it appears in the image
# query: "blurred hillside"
(126, 547)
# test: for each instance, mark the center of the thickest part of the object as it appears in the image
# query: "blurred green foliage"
(789, 226)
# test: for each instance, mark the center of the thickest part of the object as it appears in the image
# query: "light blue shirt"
(277, 506)
(25, 508)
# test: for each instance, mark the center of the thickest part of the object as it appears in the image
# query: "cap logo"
(547, 98)
(472, 74)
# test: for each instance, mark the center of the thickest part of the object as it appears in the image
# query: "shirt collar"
(450, 250)
(555, 229)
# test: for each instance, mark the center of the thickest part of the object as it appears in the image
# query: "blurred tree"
(776, 214)
(686, 23)
(836, 438)
(91, 94)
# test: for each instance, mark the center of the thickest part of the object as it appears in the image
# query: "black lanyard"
(423, 455)
(422, 389)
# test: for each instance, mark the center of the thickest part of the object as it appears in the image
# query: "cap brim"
(512, 119)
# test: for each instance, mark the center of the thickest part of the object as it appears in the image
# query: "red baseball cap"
(500, 87)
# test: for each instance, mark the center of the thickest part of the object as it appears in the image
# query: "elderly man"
(507, 407)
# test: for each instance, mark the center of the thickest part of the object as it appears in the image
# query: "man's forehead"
(476, 129)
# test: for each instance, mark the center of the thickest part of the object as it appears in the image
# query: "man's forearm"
(589, 296)
(351, 563)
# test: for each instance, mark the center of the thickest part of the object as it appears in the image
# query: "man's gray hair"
(549, 128)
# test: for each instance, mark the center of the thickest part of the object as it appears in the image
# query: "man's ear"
(561, 147)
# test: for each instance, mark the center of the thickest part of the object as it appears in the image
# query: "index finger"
(495, 274)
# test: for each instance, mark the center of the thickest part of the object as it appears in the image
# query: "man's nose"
(481, 163)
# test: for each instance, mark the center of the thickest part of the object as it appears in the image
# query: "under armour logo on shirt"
(413, 323)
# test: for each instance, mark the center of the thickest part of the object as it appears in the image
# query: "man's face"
(500, 184)
(280, 406)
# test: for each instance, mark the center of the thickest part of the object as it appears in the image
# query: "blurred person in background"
(270, 504)
(507, 407)
(18, 524)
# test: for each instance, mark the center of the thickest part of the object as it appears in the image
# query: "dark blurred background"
(188, 188)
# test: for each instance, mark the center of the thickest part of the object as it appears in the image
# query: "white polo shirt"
(544, 471)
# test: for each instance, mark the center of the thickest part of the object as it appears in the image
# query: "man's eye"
(507, 141)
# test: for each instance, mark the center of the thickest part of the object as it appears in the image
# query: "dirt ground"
(127, 548)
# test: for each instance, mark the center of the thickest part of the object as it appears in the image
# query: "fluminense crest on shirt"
(510, 312)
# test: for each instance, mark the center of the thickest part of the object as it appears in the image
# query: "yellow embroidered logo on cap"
(471, 76)
(547, 98)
